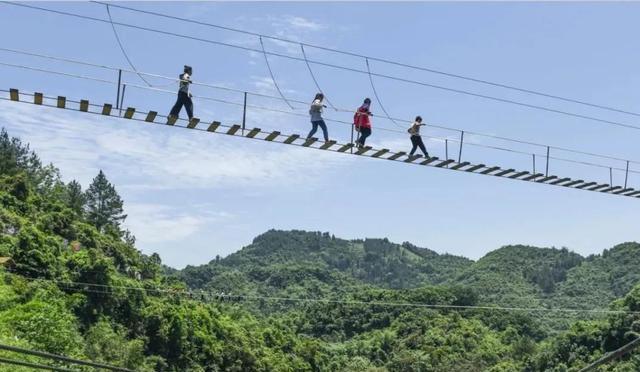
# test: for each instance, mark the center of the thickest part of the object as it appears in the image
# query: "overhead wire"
(396, 78)
(44, 367)
(377, 59)
(273, 78)
(61, 358)
(212, 294)
(433, 125)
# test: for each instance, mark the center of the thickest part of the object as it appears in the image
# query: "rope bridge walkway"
(237, 130)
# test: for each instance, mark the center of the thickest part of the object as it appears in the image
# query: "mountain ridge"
(513, 275)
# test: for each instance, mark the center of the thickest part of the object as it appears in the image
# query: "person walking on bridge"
(362, 122)
(184, 95)
(416, 139)
(316, 117)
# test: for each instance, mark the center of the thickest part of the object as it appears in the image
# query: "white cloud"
(289, 27)
(303, 23)
(155, 223)
(142, 157)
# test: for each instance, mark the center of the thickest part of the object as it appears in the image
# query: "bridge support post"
(461, 142)
(546, 173)
(118, 95)
(352, 130)
(610, 176)
(446, 149)
(626, 175)
(244, 113)
(124, 86)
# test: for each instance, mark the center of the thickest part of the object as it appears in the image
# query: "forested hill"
(73, 282)
(310, 255)
(288, 261)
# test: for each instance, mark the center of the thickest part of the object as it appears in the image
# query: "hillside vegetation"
(76, 284)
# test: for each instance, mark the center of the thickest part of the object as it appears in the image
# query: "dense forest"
(73, 282)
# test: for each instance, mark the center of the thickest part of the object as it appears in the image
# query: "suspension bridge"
(452, 160)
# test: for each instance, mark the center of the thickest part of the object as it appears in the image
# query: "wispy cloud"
(163, 158)
(302, 23)
(155, 223)
(286, 26)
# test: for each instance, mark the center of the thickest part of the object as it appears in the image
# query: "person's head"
(188, 69)
(319, 96)
(418, 119)
(367, 101)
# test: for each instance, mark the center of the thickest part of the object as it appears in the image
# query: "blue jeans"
(321, 124)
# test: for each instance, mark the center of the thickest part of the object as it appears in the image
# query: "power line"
(440, 87)
(564, 149)
(34, 365)
(61, 358)
(612, 355)
(211, 294)
(449, 74)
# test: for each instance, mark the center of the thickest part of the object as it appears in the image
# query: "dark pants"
(364, 133)
(416, 141)
(183, 100)
(323, 126)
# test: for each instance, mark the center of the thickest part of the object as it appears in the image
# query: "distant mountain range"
(293, 261)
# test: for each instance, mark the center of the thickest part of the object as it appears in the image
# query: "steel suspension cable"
(377, 59)
(275, 83)
(375, 93)
(115, 33)
(440, 87)
(315, 81)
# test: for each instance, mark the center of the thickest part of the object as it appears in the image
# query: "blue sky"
(191, 196)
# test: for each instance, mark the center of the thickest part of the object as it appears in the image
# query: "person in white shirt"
(416, 139)
(316, 117)
(184, 95)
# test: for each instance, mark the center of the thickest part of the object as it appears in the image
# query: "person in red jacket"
(362, 123)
